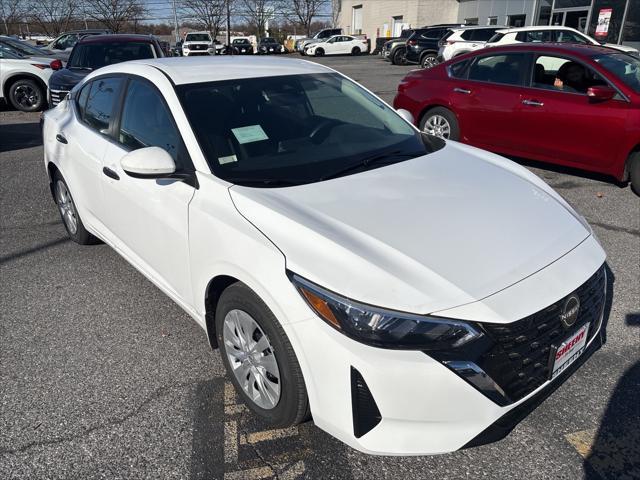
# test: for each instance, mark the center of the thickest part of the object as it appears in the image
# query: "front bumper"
(420, 405)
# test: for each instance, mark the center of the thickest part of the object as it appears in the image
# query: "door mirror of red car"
(601, 93)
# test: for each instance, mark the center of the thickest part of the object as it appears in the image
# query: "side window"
(101, 101)
(482, 34)
(81, 101)
(564, 75)
(535, 36)
(505, 69)
(434, 34)
(458, 70)
(146, 121)
(569, 37)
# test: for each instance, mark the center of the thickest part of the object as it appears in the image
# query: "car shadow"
(17, 136)
(568, 184)
(615, 451)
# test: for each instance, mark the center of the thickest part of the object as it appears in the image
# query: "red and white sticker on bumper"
(569, 351)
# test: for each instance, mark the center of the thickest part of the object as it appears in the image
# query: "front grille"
(57, 96)
(518, 361)
(198, 47)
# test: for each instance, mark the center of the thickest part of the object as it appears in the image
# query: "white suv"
(463, 40)
(557, 34)
(198, 43)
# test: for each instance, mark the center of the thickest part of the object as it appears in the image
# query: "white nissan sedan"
(412, 295)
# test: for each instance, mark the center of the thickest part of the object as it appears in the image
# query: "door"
(149, 217)
(488, 100)
(87, 140)
(568, 127)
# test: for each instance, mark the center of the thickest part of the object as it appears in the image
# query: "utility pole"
(84, 16)
(228, 24)
(175, 19)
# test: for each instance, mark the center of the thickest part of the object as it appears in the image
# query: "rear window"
(96, 55)
(496, 38)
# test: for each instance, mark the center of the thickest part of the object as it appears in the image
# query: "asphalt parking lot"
(103, 376)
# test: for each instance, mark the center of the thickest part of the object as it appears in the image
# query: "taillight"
(451, 42)
(40, 65)
(56, 64)
(412, 43)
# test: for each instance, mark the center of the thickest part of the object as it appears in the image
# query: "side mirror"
(149, 162)
(406, 114)
(601, 93)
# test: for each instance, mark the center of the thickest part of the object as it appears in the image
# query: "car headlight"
(384, 328)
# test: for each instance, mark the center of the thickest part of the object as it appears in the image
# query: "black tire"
(398, 57)
(634, 172)
(429, 60)
(81, 235)
(355, 51)
(293, 405)
(319, 52)
(454, 127)
(27, 95)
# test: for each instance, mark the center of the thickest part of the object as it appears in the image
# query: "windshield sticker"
(229, 159)
(253, 133)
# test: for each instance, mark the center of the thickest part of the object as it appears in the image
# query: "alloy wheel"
(429, 61)
(26, 96)
(438, 126)
(252, 358)
(66, 207)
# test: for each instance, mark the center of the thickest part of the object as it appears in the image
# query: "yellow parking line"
(293, 472)
(229, 394)
(250, 474)
(582, 441)
(230, 442)
(268, 435)
(234, 409)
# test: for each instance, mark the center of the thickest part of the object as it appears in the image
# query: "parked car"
(28, 50)
(422, 47)
(338, 45)
(547, 34)
(93, 52)
(463, 40)
(197, 43)
(23, 80)
(393, 50)
(269, 45)
(64, 43)
(241, 46)
(572, 105)
(413, 295)
(319, 36)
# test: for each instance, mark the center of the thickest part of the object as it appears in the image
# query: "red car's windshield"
(624, 67)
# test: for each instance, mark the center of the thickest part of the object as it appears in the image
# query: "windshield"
(6, 52)
(623, 66)
(197, 37)
(268, 40)
(295, 129)
(90, 56)
(241, 40)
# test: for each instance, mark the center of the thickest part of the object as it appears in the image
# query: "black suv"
(394, 48)
(422, 46)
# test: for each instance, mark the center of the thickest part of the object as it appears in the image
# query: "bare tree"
(11, 12)
(258, 13)
(336, 7)
(208, 14)
(304, 11)
(115, 14)
(52, 16)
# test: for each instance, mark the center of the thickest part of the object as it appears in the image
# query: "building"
(387, 18)
(611, 21)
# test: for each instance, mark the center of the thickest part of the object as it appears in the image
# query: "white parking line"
(268, 435)
(231, 442)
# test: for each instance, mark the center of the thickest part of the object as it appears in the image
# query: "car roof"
(115, 37)
(536, 28)
(576, 49)
(475, 27)
(199, 31)
(184, 70)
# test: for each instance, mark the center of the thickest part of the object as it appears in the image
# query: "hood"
(428, 234)
(66, 79)
(622, 48)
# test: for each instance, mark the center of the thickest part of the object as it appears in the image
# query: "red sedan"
(572, 105)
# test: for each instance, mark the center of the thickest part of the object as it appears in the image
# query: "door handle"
(532, 103)
(61, 138)
(110, 173)
(462, 90)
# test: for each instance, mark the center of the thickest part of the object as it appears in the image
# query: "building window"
(471, 21)
(492, 21)
(517, 21)
(544, 12)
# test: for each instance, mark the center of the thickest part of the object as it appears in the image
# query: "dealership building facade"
(611, 21)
